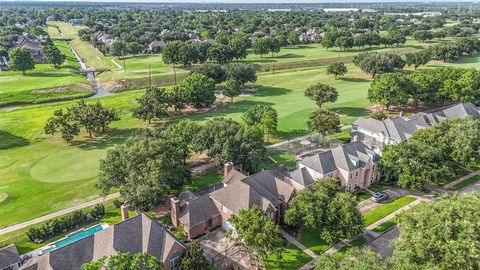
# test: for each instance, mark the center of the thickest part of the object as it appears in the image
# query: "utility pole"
(149, 77)
(174, 73)
(124, 66)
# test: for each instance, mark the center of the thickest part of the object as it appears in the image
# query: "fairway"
(86, 51)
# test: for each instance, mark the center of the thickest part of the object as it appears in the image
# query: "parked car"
(379, 196)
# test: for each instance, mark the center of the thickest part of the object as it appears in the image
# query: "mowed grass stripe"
(386, 209)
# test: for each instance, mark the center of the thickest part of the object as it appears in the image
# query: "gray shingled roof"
(137, 234)
(197, 211)
(349, 157)
(232, 176)
(265, 189)
(8, 256)
(302, 176)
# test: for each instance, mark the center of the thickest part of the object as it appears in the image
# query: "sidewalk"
(461, 179)
(57, 214)
(298, 244)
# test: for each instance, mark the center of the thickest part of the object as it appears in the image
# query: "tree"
(257, 232)
(199, 90)
(447, 230)
(264, 116)
(215, 71)
(321, 93)
(118, 48)
(241, 72)
(133, 48)
(20, 59)
(261, 47)
(152, 104)
(323, 122)
(183, 135)
(226, 140)
(422, 35)
(193, 258)
(327, 207)
(231, 89)
(417, 59)
(273, 45)
(375, 63)
(220, 53)
(344, 42)
(171, 55)
(354, 258)
(337, 69)
(293, 38)
(390, 90)
(238, 45)
(61, 122)
(414, 163)
(125, 261)
(53, 55)
(187, 53)
(146, 168)
(94, 118)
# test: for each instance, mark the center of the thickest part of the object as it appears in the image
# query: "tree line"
(429, 86)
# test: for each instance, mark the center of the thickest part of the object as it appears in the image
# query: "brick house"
(354, 164)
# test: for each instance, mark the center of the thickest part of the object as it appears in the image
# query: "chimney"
(401, 114)
(124, 211)
(227, 167)
(174, 211)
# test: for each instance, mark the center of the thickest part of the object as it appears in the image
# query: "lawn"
(204, 181)
(34, 85)
(20, 239)
(385, 226)
(311, 239)
(358, 241)
(468, 182)
(386, 209)
(292, 259)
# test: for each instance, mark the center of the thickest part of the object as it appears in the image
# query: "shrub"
(56, 226)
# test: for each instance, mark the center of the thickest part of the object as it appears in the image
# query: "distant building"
(105, 38)
(9, 258)
(32, 45)
(76, 21)
(156, 46)
(341, 10)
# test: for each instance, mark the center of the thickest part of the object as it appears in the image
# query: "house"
(105, 38)
(76, 21)
(137, 234)
(379, 133)
(355, 164)
(199, 214)
(9, 258)
(3, 63)
(31, 45)
(156, 46)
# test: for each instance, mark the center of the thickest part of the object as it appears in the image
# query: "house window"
(224, 209)
(174, 261)
(356, 174)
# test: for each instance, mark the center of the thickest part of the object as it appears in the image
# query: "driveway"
(222, 252)
(393, 193)
(383, 245)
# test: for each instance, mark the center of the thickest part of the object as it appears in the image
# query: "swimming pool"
(73, 237)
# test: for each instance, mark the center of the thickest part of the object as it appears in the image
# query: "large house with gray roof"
(379, 133)
(137, 234)
(354, 164)
(9, 258)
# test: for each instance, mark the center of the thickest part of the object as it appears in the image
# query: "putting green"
(68, 165)
(3, 196)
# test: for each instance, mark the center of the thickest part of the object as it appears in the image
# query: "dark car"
(379, 196)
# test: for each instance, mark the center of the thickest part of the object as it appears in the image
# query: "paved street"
(382, 245)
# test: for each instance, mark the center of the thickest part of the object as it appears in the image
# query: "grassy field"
(91, 56)
(386, 209)
(28, 88)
